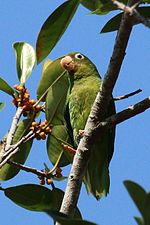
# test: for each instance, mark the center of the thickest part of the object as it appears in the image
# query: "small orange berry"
(42, 124)
(38, 108)
(49, 181)
(26, 96)
(32, 101)
(26, 91)
(46, 122)
(20, 88)
(34, 123)
(48, 130)
(42, 135)
(16, 86)
(42, 181)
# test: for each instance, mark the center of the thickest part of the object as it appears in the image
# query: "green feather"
(86, 82)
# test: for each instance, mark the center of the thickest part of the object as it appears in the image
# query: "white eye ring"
(79, 56)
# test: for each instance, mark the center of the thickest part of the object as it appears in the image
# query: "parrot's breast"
(81, 99)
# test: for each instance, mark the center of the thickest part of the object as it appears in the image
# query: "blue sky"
(21, 21)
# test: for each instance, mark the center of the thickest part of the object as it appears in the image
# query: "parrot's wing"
(97, 180)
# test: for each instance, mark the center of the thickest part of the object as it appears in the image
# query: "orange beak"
(67, 63)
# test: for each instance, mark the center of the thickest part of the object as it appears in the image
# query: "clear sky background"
(21, 21)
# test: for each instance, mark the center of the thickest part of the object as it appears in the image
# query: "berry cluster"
(42, 180)
(49, 181)
(40, 129)
(22, 98)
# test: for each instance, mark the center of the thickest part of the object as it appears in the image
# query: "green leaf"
(2, 105)
(147, 210)
(138, 195)
(114, 23)
(139, 220)
(89, 4)
(53, 88)
(100, 7)
(52, 71)
(56, 100)
(54, 27)
(4, 86)
(32, 197)
(104, 7)
(145, 1)
(25, 60)
(36, 198)
(64, 220)
(8, 171)
(58, 136)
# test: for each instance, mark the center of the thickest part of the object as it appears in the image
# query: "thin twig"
(24, 139)
(8, 157)
(13, 128)
(11, 132)
(125, 114)
(28, 169)
(127, 95)
(15, 148)
(133, 12)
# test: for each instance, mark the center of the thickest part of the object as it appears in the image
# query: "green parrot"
(85, 84)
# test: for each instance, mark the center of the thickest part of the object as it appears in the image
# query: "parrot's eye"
(79, 56)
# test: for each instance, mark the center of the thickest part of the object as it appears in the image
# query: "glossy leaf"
(4, 86)
(139, 221)
(25, 60)
(64, 220)
(2, 105)
(56, 100)
(101, 7)
(36, 198)
(114, 23)
(52, 71)
(31, 197)
(7, 171)
(138, 195)
(54, 27)
(89, 4)
(147, 210)
(58, 136)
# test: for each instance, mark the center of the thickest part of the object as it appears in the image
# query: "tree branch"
(125, 114)
(11, 132)
(29, 169)
(127, 95)
(82, 155)
(13, 149)
(132, 11)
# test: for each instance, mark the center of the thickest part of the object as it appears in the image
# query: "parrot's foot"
(81, 133)
(69, 149)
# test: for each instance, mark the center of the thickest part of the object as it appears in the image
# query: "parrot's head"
(78, 65)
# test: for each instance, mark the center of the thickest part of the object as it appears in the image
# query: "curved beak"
(67, 63)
